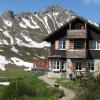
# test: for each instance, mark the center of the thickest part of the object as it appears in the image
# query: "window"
(95, 45)
(78, 44)
(79, 26)
(91, 65)
(92, 45)
(56, 64)
(98, 45)
(62, 45)
(59, 65)
(63, 65)
(78, 66)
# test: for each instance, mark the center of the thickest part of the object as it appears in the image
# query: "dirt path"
(68, 94)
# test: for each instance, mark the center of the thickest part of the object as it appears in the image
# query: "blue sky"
(89, 9)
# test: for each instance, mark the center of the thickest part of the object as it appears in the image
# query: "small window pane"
(78, 66)
(98, 44)
(94, 45)
(78, 44)
(57, 64)
(61, 44)
(92, 68)
(91, 65)
(62, 65)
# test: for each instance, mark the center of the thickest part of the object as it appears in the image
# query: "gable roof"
(77, 17)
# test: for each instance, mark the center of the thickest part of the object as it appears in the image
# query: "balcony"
(57, 53)
(76, 53)
(76, 33)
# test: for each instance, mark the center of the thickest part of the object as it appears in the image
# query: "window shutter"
(56, 45)
(67, 44)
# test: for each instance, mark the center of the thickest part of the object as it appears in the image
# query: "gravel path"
(68, 93)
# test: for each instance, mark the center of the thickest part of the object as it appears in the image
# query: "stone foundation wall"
(56, 75)
(71, 62)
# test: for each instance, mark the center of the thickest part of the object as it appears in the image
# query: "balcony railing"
(76, 53)
(74, 33)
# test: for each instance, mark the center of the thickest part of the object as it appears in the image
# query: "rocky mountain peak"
(53, 8)
(8, 15)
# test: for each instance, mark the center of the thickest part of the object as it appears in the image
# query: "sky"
(90, 9)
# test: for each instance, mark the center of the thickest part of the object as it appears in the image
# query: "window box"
(56, 70)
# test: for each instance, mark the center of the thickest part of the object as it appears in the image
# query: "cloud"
(91, 1)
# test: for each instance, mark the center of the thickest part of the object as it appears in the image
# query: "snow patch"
(1, 29)
(1, 50)
(56, 14)
(5, 42)
(42, 57)
(20, 62)
(52, 20)
(55, 17)
(21, 43)
(8, 23)
(14, 49)
(31, 43)
(9, 36)
(22, 25)
(29, 24)
(46, 22)
(35, 44)
(1, 42)
(40, 19)
(3, 62)
(27, 53)
(28, 69)
(4, 83)
(73, 16)
(36, 25)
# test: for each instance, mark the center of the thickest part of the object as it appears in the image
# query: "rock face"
(34, 26)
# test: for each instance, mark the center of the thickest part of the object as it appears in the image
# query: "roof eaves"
(45, 39)
(77, 17)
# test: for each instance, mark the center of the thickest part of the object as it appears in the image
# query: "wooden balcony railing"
(76, 53)
(57, 53)
(74, 33)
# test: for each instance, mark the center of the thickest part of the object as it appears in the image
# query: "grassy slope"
(14, 72)
(69, 84)
(84, 89)
(31, 79)
(22, 52)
